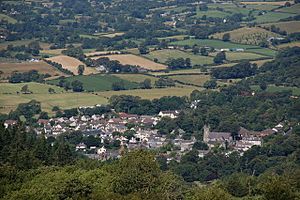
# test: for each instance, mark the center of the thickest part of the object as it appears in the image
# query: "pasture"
(212, 13)
(198, 80)
(264, 52)
(219, 44)
(273, 88)
(36, 88)
(165, 54)
(71, 64)
(129, 59)
(276, 3)
(137, 78)
(3, 45)
(42, 67)
(52, 52)
(292, 9)
(237, 56)
(246, 35)
(290, 44)
(289, 27)
(272, 17)
(97, 82)
(152, 93)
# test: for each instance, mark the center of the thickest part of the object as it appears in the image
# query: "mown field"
(236, 56)
(8, 68)
(246, 35)
(198, 80)
(129, 59)
(137, 78)
(164, 55)
(71, 64)
(152, 93)
(289, 27)
(9, 99)
(97, 82)
(213, 43)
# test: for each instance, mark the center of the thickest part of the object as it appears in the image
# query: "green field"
(137, 78)
(262, 7)
(213, 43)
(164, 55)
(293, 9)
(264, 51)
(273, 88)
(198, 80)
(236, 56)
(272, 17)
(8, 19)
(97, 82)
(9, 99)
(212, 13)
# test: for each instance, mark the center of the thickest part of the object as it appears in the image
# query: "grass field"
(236, 56)
(289, 27)
(212, 13)
(276, 3)
(264, 51)
(52, 52)
(291, 44)
(272, 17)
(212, 43)
(129, 59)
(181, 71)
(97, 82)
(36, 88)
(192, 79)
(152, 93)
(137, 78)
(266, 7)
(7, 18)
(164, 55)
(293, 9)
(273, 88)
(71, 64)
(245, 35)
(8, 68)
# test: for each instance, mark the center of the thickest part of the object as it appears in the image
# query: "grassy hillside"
(98, 82)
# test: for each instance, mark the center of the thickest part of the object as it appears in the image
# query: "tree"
(203, 52)
(143, 49)
(226, 37)
(263, 86)
(25, 89)
(77, 86)
(51, 90)
(81, 69)
(211, 84)
(146, 84)
(220, 57)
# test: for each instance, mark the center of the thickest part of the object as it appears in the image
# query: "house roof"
(219, 135)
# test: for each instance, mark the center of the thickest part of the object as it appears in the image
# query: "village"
(112, 134)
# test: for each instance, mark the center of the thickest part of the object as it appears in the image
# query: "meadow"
(197, 80)
(165, 54)
(136, 78)
(213, 43)
(272, 17)
(273, 88)
(290, 44)
(292, 9)
(237, 56)
(7, 68)
(97, 82)
(129, 59)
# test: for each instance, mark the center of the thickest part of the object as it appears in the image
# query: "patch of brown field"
(277, 3)
(52, 51)
(129, 59)
(42, 67)
(261, 62)
(289, 27)
(71, 64)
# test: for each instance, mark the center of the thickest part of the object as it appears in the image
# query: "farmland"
(291, 44)
(8, 68)
(236, 56)
(97, 82)
(164, 55)
(198, 80)
(273, 88)
(276, 3)
(3, 45)
(292, 9)
(272, 17)
(129, 59)
(289, 27)
(137, 78)
(213, 43)
(152, 93)
(71, 64)
(245, 35)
